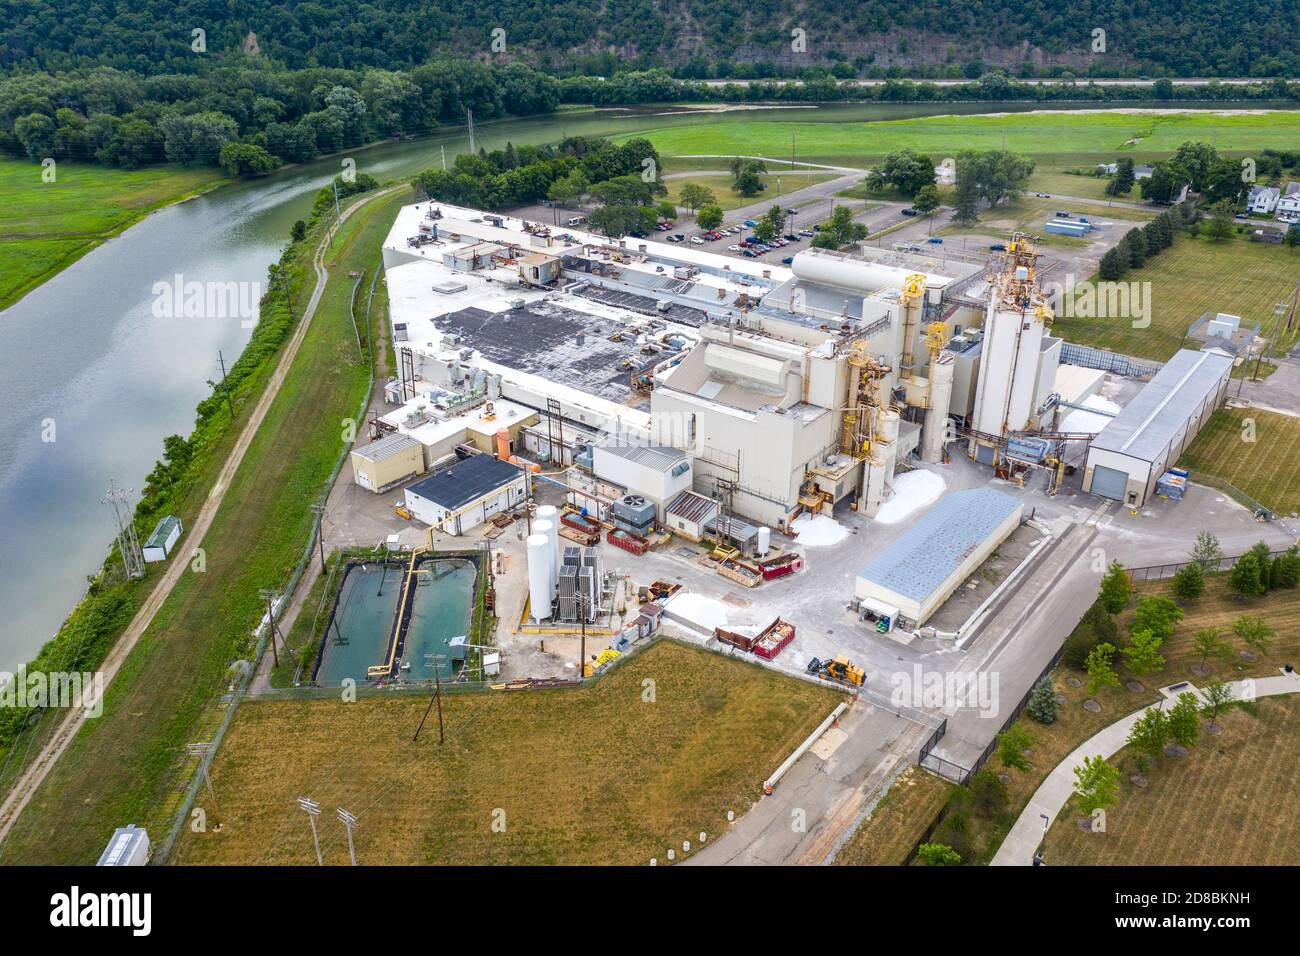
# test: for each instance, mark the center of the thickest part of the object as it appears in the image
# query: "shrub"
(1042, 701)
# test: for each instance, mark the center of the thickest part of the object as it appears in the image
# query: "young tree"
(966, 201)
(666, 211)
(1115, 588)
(1206, 551)
(1189, 582)
(1219, 226)
(776, 216)
(988, 793)
(926, 200)
(1254, 631)
(1209, 642)
(1100, 672)
(1285, 570)
(1218, 695)
(1121, 184)
(709, 216)
(1247, 577)
(1150, 733)
(1184, 720)
(1157, 615)
(1143, 655)
(1042, 701)
(1012, 743)
(694, 195)
(907, 171)
(1096, 784)
(764, 231)
(748, 179)
(936, 854)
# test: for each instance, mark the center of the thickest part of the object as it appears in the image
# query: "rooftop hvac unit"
(635, 510)
(663, 305)
(516, 303)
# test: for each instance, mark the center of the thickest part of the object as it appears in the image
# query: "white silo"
(935, 428)
(539, 577)
(764, 540)
(547, 530)
(551, 515)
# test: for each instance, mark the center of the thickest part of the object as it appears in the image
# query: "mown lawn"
(899, 820)
(1061, 136)
(1188, 279)
(727, 200)
(596, 775)
(1234, 800)
(46, 226)
(129, 765)
(1267, 468)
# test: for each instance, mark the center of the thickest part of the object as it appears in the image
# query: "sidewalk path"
(1021, 843)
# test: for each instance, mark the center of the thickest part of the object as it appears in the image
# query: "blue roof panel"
(929, 552)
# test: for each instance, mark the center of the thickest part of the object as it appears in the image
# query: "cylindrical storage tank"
(551, 515)
(539, 577)
(935, 428)
(831, 268)
(547, 530)
(873, 485)
(503, 444)
(764, 540)
(888, 426)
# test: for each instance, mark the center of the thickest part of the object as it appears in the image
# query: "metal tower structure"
(127, 541)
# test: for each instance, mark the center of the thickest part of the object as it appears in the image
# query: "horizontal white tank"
(539, 577)
(828, 268)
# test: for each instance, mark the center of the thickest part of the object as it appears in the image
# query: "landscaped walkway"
(1021, 843)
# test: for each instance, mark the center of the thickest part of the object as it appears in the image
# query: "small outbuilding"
(1138, 445)
(460, 498)
(158, 546)
(923, 567)
(388, 462)
(688, 513)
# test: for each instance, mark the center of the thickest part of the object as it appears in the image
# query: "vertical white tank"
(888, 424)
(539, 577)
(547, 530)
(764, 540)
(550, 515)
(935, 427)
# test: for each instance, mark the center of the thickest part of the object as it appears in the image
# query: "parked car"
(791, 237)
(697, 240)
(909, 211)
(1062, 215)
(935, 241)
(751, 223)
(806, 233)
(787, 260)
(733, 248)
(677, 238)
(997, 247)
(1042, 195)
(750, 254)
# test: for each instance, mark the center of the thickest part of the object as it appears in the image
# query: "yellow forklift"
(840, 670)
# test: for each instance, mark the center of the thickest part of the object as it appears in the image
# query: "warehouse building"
(1130, 454)
(387, 462)
(912, 578)
(657, 473)
(464, 496)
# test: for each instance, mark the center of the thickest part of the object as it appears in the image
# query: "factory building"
(1128, 456)
(388, 462)
(770, 391)
(912, 578)
(466, 494)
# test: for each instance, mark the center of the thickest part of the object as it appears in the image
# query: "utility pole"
(224, 387)
(437, 698)
(338, 216)
(127, 541)
(203, 751)
(268, 595)
(319, 511)
(313, 811)
(349, 821)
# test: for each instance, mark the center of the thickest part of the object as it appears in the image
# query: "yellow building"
(387, 462)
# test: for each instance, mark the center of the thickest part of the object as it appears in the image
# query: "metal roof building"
(918, 572)
(468, 493)
(1147, 437)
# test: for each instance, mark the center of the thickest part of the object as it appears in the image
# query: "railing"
(1075, 354)
(1157, 572)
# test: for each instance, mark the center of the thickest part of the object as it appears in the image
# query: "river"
(92, 380)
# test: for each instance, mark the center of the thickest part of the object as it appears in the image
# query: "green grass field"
(1265, 468)
(1232, 801)
(595, 775)
(44, 227)
(1028, 213)
(1066, 136)
(129, 764)
(1056, 182)
(1192, 277)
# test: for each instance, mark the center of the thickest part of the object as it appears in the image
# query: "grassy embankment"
(1074, 724)
(130, 763)
(891, 832)
(1232, 801)
(597, 775)
(45, 227)
(1264, 468)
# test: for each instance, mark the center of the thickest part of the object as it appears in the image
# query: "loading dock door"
(1109, 482)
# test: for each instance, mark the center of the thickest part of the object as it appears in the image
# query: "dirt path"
(26, 785)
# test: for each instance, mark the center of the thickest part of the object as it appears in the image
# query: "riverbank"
(47, 226)
(130, 763)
